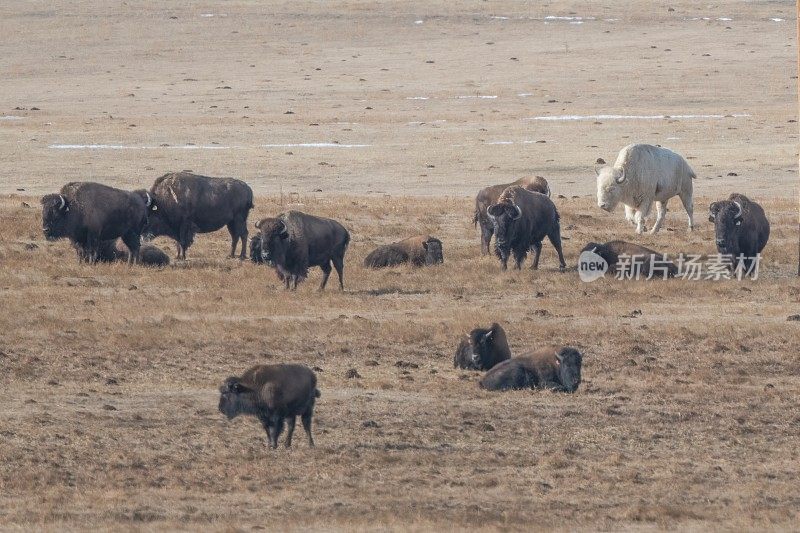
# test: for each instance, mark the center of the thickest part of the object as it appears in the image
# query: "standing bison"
(489, 196)
(644, 174)
(89, 213)
(482, 348)
(275, 394)
(295, 241)
(556, 368)
(741, 229)
(522, 219)
(420, 250)
(185, 204)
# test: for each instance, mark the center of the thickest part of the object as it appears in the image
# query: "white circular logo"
(591, 266)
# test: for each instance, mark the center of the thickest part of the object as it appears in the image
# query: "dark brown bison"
(274, 394)
(419, 250)
(521, 221)
(489, 196)
(640, 261)
(149, 255)
(482, 348)
(557, 368)
(741, 229)
(89, 213)
(185, 204)
(294, 241)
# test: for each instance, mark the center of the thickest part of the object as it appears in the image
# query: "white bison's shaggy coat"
(642, 175)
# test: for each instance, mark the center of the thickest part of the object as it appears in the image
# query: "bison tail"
(317, 393)
(475, 218)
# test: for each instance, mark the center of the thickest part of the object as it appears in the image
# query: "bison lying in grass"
(630, 260)
(557, 368)
(274, 394)
(420, 250)
(482, 348)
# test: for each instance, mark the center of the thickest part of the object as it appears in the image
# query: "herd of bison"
(519, 215)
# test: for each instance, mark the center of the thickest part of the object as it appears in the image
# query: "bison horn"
(621, 177)
(519, 212)
(285, 230)
(149, 199)
(548, 190)
(597, 170)
(739, 214)
(258, 224)
(63, 201)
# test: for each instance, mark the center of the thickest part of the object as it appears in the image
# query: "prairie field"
(389, 117)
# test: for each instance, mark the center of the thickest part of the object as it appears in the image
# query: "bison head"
(55, 210)
(503, 216)
(727, 217)
(610, 182)
(433, 251)
(157, 222)
(568, 362)
(236, 399)
(274, 240)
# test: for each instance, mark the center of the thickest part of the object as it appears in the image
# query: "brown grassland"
(688, 415)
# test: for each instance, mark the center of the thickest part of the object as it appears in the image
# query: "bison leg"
(686, 200)
(661, 213)
(290, 430)
(238, 230)
(338, 264)
(537, 251)
(640, 216)
(273, 424)
(519, 257)
(92, 248)
(185, 238)
(326, 272)
(503, 262)
(306, 418)
(277, 429)
(630, 214)
(134, 242)
(486, 237)
(555, 240)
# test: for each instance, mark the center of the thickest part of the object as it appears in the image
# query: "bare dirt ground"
(687, 417)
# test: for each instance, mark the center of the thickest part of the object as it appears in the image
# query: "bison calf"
(149, 255)
(273, 393)
(482, 348)
(419, 250)
(550, 368)
(637, 260)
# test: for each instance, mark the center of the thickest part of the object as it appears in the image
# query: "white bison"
(644, 174)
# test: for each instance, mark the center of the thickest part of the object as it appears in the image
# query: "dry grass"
(687, 417)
